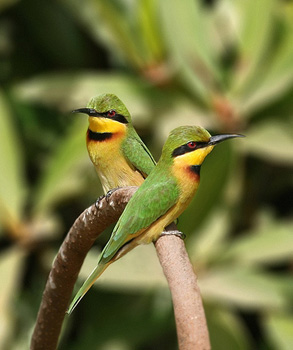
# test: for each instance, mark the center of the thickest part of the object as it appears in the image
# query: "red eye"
(191, 144)
(111, 113)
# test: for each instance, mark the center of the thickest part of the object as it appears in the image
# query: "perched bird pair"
(121, 159)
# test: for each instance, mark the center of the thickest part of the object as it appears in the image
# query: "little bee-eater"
(117, 152)
(163, 196)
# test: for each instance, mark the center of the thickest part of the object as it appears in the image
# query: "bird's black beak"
(219, 138)
(89, 111)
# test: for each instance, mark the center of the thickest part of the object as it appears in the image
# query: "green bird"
(162, 197)
(117, 152)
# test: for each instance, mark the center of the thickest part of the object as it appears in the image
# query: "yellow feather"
(186, 179)
(106, 125)
(111, 165)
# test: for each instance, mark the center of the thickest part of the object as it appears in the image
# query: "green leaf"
(225, 329)
(10, 268)
(256, 23)
(131, 273)
(269, 244)
(69, 91)
(150, 34)
(261, 141)
(279, 329)
(110, 22)
(6, 3)
(211, 238)
(63, 176)
(276, 75)
(186, 32)
(243, 287)
(12, 182)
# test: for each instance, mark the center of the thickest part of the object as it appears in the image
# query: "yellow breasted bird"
(117, 152)
(163, 196)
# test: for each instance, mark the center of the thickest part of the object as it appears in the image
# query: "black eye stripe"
(185, 148)
(118, 117)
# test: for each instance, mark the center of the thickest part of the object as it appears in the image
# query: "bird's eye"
(111, 113)
(191, 145)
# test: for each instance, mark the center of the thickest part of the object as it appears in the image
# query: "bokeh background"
(226, 65)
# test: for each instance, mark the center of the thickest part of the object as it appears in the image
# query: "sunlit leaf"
(211, 238)
(276, 78)
(149, 27)
(226, 329)
(179, 111)
(279, 329)
(271, 140)
(63, 176)
(10, 268)
(68, 91)
(244, 288)
(6, 3)
(12, 184)
(138, 270)
(269, 244)
(256, 18)
(110, 23)
(224, 26)
(187, 37)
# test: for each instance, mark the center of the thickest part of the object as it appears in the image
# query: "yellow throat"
(113, 169)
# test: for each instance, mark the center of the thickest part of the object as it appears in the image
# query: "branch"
(190, 320)
(189, 313)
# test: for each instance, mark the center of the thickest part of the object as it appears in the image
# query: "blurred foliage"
(224, 64)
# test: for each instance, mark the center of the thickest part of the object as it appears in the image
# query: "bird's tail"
(96, 273)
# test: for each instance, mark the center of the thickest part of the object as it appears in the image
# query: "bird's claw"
(106, 196)
(173, 233)
(109, 193)
(97, 202)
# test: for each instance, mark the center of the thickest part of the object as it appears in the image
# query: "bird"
(162, 197)
(119, 155)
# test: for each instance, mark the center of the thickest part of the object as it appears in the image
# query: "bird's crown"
(109, 102)
(184, 135)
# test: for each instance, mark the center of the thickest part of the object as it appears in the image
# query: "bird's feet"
(173, 233)
(109, 193)
(106, 196)
(98, 201)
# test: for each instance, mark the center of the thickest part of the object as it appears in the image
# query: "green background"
(226, 65)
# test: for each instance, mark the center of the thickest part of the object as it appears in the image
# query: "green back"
(136, 152)
(154, 198)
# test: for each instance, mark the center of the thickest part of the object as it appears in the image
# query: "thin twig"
(67, 264)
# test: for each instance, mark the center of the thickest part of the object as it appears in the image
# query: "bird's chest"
(104, 154)
(113, 169)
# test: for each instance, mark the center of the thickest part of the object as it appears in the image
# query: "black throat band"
(99, 136)
(195, 169)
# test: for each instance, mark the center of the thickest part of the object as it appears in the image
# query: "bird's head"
(107, 113)
(187, 147)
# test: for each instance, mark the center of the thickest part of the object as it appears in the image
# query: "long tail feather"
(96, 273)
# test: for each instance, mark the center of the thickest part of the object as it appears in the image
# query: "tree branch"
(190, 319)
(189, 313)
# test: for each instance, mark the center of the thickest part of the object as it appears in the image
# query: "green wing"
(138, 154)
(151, 201)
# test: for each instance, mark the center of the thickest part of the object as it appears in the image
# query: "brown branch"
(190, 320)
(189, 313)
